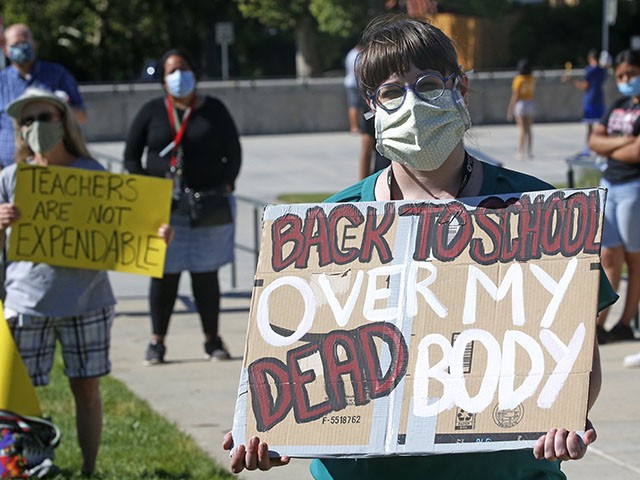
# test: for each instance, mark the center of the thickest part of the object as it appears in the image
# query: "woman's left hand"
(166, 233)
(560, 444)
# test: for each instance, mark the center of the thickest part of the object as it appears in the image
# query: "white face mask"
(422, 135)
(43, 136)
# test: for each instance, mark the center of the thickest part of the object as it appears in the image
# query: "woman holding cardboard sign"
(44, 303)
(192, 139)
(409, 71)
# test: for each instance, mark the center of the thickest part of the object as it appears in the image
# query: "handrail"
(112, 163)
(257, 209)
(585, 160)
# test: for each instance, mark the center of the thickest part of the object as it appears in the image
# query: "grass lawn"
(137, 443)
(585, 178)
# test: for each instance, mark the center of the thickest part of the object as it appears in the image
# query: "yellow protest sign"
(16, 390)
(98, 220)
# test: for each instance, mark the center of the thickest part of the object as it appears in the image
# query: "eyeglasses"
(40, 117)
(428, 87)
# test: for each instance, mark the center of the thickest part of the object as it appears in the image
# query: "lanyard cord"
(174, 121)
(468, 171)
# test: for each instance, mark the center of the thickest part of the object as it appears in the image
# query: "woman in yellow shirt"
(521, 106)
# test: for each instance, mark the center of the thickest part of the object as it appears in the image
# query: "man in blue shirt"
(593, 98)
(27, 71)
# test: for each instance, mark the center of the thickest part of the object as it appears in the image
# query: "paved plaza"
(199, 396)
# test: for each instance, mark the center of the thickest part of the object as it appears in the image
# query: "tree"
(550, 36)
(95, 39)
(307, 18)
(111, 39)
(480, 8)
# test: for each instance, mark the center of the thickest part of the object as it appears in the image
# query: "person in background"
(355, 102)
(410, 73)
(593, 98)
(617, 137)
(26, 70)
(522, 108)
(44, 303)
(371, 160)
(3, 58)
(191, 138)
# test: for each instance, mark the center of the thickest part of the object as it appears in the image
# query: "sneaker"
(155, 353)
(601, 335)
(632, 361)
(215, 350)
(620, 332)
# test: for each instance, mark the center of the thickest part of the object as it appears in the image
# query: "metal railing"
(112, 163)
(257, 207)
(115, 164)
(589, 161)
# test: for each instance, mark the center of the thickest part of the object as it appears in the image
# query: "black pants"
(206, 292)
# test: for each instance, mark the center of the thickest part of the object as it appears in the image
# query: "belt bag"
(208, 208)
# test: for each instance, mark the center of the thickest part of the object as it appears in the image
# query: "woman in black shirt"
(617, 138)
(192, 139)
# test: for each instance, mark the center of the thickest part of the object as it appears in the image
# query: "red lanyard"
(177, 136)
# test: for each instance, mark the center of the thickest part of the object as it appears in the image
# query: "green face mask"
(43, 136)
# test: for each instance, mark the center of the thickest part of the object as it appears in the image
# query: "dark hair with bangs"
(392, 43)
(524, 67)
(632, 57)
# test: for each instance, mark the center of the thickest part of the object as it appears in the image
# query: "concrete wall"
(318, 105)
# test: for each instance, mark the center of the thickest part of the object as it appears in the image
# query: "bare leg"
(527, 123)
(633, 288)
(589, 130)
(353, 120)
(612, 261)
(366, 150)
(521, 138)
(86, 392)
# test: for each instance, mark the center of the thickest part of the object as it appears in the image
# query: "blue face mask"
(21, 53)
(630, 88)
(180, 83)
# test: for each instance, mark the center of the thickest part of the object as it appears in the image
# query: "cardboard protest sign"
(421, 327)
(81, 218)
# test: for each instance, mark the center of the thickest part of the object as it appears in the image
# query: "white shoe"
(632, 361)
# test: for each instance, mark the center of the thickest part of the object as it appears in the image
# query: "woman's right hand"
(166, 232)
(9, 213)
(254, 456)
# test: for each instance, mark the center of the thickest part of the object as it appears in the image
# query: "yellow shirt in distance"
(523, 86)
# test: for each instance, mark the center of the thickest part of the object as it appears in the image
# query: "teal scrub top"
(499, 465)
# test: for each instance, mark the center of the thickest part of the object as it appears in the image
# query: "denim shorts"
(524, 108)
(85, 342)
(592, 113)
(622, 216)
(354, 98)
